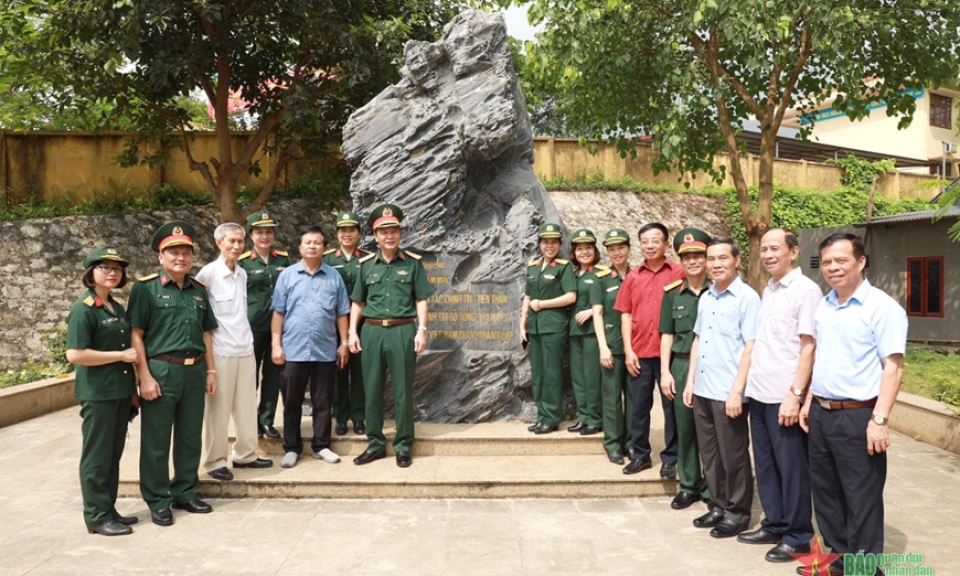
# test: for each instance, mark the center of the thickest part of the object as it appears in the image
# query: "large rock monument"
(451, 144)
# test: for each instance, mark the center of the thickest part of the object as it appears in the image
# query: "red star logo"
(816, 562)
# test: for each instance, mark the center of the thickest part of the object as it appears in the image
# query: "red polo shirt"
(640, 296)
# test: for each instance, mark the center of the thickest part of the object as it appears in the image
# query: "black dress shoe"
(127, 520)
(162, 517)
(684, 500)
(784, 552)
(615, 456)
(668, 471)
(222, 474)
(590, 430)
(834, 569)
(340, 429)
(369, 456)
(637, 465)
(403, 459)
(759, 536)
(544, 429)
(359, 429)
(576, 427)
(532, 426)
(196, 506)
(110, 528)
(257, 463)
(269, 431)
(708, 520)
(728, 528)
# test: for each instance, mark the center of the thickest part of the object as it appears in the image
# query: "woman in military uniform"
(551, 288)
(98, 342)
(584, 353)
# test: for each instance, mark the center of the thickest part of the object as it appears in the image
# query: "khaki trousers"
(236, 396)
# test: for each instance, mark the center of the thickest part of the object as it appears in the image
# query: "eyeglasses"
(110, 269)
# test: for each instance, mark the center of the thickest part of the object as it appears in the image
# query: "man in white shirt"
(233, 361)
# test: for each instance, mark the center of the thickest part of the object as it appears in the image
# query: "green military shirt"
(604, 292)
(173, 320)
(261, 279)
(551, 282)
(585, 283)
(349, 271)
(391, 290)
(678, 314)
(92, 326)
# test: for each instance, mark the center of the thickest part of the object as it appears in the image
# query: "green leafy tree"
(297, 69)
(688, 73)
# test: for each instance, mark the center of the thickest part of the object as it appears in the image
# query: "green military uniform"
(617, 405)
(389, 292)
(173, 320)
(547, 330)
(348, 397)
(104, 393)
(584, 349)
(261, 278)
(678, 314)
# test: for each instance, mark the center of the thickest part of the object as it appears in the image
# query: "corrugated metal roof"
(953, 212)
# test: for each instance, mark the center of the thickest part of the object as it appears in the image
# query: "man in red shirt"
(639, 302)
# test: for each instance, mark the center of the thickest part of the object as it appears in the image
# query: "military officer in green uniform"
(98, 342)
(348, 399)
(617, 405)
(584, 351)
(550, 289)
(678, 314)
(172, 323)
(388, 323)
(263, 264)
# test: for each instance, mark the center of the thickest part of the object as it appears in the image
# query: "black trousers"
(783, 475)
(847, 482)
(319, 377)
(641, 390)
(725, 450)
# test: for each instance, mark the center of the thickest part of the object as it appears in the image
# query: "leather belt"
(681, 355)
(390, 323)
(178, 360)
(844, 404)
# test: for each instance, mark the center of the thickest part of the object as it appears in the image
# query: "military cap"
(347, 219)
(176, 233)
(104, 253)
(385, 215)
(616, 236)
(261, 219)
(690, 240)
(584, 236)
(549, 231)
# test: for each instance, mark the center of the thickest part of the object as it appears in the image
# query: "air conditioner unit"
(949, 147)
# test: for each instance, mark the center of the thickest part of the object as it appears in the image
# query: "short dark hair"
(311, 229)
(859, 250)
(87, 278)
(788, 235)
(654, 226)
(573, 255)
(717, 240)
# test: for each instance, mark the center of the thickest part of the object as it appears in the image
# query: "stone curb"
(26, 401)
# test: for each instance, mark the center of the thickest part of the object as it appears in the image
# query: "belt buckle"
(824, 403)
(188, 361)
(385, 323)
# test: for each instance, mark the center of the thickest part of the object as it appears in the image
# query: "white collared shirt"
(227, 291)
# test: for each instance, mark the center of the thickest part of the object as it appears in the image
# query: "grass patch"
(932, 374)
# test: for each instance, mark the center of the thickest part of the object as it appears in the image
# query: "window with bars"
(941, 111)
(925, 286)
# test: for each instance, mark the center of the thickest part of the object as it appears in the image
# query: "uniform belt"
(682, 355)
(844, 404)
(390, 323)
(190, 361)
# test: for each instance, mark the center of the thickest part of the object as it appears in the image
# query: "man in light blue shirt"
(726, 328)
(861, 335)
(311, 313)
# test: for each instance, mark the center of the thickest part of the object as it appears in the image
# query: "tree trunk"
(757, 274)
(226, 199)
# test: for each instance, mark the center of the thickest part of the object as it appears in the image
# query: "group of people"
(811, 378)
(190, 351)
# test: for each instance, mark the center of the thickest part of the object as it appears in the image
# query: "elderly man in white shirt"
(233, 361)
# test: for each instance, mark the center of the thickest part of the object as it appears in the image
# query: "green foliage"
(859, 174)
(932, 374)
(597, 181)
(55, 341)
(946, 200)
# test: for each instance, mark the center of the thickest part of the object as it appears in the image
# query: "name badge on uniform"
(402, 272)
(612, 288)
(109, 320)
(280, 268)
(549, 276)
(251, 272)
(679, 307)
(198, 298)
(588, 281)
(339, 266)
(164, 296)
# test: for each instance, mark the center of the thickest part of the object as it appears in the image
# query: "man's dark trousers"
(783, 475)
(319, 376)
(269, 380)
(641, 389)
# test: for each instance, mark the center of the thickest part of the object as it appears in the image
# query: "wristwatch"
(796, 391)
(881, 420)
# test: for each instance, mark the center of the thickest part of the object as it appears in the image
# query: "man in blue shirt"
(309, 338)
(726, 328)
(861, 335)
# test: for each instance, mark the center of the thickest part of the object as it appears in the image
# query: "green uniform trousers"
(617, 406)
(104, 434)
(269, 378)
(585, 376)
(388, 349)
(178, 410)
(546, 369)
(348, 397)
(688, 454)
